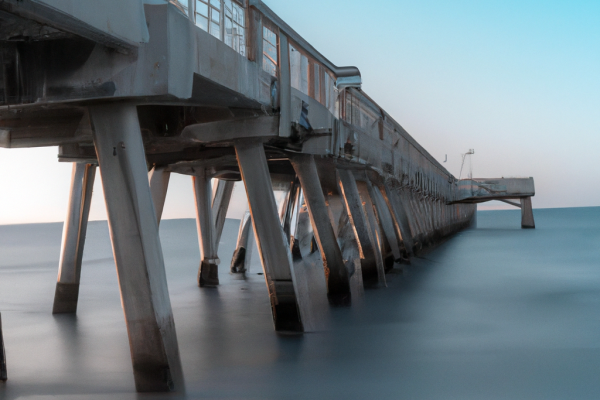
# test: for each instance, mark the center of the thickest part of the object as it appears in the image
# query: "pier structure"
(222, 91)
(506, 190)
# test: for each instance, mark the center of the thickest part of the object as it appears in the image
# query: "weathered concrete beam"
(337, 283)
(527, 213)
(288, 312)
(137, 249)
(158, 178)
(229, 130)
(73, 239)
(208, 272)
(44, 128)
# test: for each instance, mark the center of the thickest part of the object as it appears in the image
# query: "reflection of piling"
(3, 375)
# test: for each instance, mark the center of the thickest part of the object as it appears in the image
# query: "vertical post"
(136, 248)
(527, 213)
(219, 207)
(238, 261)
(288, 312)
(208, 272)
(399, 216)
(337, 283)
(73, 239)
(159, 183)
(3, 372)
(359, 222)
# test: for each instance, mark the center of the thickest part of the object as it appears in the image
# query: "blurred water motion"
(493, 313)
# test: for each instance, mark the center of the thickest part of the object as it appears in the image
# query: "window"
(208, 16)
(235, 26)
(299, 70)
(269, 51)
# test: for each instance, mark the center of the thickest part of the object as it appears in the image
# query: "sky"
(517, 81)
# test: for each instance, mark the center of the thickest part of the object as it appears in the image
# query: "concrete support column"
(399, 217)
(526, 213)
(338, 282)
(375, 234)
(208, 273)
(274, 250)
(73, 239)
(220, 205)
(385, 219)
(159, 183)
(360, 223)
(238, 261)
(136, 248)
(3, 372)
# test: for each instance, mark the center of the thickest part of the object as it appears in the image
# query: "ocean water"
(495, 312)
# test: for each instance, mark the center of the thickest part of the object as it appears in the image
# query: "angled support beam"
(73, 239)
(374, 232)
(208, 272)
(288, 312)
(360, 224)
(338, 282)
(158, 178)
(399, 217)
(238, 261)
(3, 372)
(385, 219)
(136, 248)
(527, 213)
(220, 204)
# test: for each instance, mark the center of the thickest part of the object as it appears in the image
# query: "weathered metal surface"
(73, 240)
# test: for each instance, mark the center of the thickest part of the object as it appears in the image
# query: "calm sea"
(495, 312)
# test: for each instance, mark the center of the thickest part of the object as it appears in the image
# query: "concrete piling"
(158, 178)
(73, 239)
(527, 213)
(208, 272)
(136, 247)
(273, 247)
(337, 276)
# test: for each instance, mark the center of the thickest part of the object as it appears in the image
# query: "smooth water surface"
(495, 312)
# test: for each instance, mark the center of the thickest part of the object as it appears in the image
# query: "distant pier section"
(480, 190)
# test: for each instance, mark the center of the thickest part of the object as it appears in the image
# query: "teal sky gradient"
(518, 81)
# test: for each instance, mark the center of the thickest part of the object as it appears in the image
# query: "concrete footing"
(136, 248)
(238, 261)
(73, 239)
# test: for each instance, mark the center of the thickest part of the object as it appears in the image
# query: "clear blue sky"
(518, 81)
